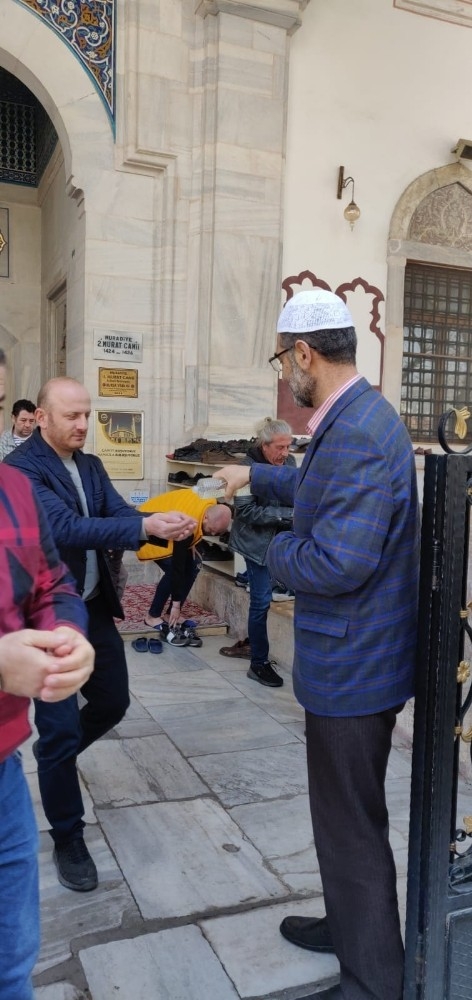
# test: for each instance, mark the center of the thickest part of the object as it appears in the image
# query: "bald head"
(62, 415)
(217, 519)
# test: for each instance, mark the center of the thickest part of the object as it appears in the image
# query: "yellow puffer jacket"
(185, 501)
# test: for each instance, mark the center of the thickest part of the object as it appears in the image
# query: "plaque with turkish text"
(118, 382)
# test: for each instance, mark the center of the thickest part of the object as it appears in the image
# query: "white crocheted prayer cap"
(313, 310)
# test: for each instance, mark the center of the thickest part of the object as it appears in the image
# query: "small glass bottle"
(210, 488)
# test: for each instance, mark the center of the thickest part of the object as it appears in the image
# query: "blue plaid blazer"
(352, 557)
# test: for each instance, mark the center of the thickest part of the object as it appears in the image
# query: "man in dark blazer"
(87, 518)
(352, 559)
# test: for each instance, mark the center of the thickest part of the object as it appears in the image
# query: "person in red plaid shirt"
(43, 654)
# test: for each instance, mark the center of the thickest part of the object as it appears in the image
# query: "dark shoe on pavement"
(75, 867)
(265, 674)
(311, 933)
(241, 649)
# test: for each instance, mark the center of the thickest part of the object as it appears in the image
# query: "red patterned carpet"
(137, 599)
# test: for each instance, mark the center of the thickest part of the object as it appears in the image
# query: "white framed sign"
(117, 346)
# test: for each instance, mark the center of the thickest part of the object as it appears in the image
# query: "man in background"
(87, 517)
(43, 654)
(256, 523)
(22, 427)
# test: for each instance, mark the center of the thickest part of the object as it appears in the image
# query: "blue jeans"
(19, 893)
(64, 731)
(260, 594)
(164, 586)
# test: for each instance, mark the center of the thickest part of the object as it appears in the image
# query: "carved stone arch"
(431, 223)
(420, 189)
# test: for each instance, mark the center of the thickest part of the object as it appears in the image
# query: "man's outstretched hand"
(235, 477)
(174, 525)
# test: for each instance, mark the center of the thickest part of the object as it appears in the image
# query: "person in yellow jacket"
(179, 561)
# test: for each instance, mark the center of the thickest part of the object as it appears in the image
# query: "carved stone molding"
(455, 11)
(444, 218)
(283, 13)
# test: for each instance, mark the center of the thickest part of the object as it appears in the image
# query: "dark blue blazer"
(352, 557)
(112, 523)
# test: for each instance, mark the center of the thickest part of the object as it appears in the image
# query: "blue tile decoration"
(88, 27)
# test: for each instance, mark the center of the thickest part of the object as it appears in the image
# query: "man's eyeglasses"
(275, 359)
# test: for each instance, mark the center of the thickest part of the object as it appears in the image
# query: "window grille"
(437, 346)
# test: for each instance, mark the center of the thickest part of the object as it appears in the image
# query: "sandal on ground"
(155, 645)
(140, 645)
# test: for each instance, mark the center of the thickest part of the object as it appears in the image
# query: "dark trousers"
(347, 762)
(260, 595)
(164, 586)
(64, 730)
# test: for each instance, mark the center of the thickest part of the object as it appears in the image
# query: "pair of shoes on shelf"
(75, 867)
(265, 674)
(145, 645)
(281, 594)
(240, 649)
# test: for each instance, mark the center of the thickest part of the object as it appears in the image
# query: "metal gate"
(438, 942)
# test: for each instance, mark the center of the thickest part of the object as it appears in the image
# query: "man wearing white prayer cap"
(352, 560)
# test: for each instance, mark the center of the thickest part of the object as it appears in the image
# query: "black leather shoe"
(311, 933)
(75, 867)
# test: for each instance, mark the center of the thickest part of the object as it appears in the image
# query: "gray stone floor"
(197, 817)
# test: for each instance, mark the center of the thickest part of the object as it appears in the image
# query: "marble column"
(240, 76)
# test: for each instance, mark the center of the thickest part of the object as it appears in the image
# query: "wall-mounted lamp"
(352, 211)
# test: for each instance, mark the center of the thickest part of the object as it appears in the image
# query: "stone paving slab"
(282, 832)
(152, 664)
(170, 965)
(162, 690)
(219, 726)
(197, 730)
(66, 915)
(137, 770)
(258, 959)
(279, 703)
(248, 776)
(59, 991)
(182, 858)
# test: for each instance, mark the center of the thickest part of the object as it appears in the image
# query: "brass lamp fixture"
(352, 211)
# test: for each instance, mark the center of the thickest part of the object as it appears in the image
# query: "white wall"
(385, 93)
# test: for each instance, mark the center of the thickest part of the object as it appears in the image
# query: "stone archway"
(432, 223)
(47, 222)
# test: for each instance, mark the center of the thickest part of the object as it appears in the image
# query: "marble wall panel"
(163, 56)
(131, 301)
(133, 262)
(250, 120)
(246, 73)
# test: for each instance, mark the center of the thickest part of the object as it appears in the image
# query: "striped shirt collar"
(325, 407)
